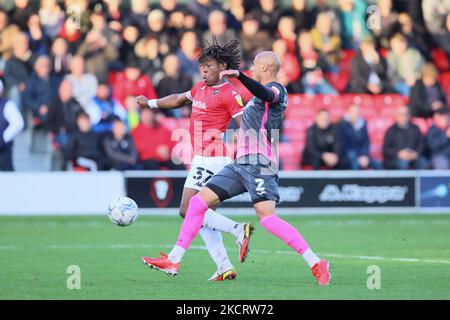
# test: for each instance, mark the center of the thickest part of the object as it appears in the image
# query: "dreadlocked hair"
(228, 54)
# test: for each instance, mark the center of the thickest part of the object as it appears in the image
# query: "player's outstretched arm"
(169, 102)
(257, 89)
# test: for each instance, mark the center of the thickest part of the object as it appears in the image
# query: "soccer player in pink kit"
(254, 170)
(214, 103)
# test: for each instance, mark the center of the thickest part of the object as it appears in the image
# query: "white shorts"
(202, 169)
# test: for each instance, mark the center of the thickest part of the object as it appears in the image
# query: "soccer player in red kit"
(214, 103)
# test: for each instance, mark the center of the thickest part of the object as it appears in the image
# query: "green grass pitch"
(412, 252)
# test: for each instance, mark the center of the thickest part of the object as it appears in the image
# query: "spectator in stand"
(353, 18)
(369, 70)
(8, 35)
(157, 154)
(84, 84)
(138, 15)
(201, 9)
(41, 89)
(269, 13)
(438, 140)
(60, 57)
(444, 38)
(235, 11)
(190, 22)
(156, 22)
(37, 39)
(21, 12)
(103, 109)
(62, 115)
(119, 148)
(188, 54)
(286, 31)
(415, 40)
(115, 14)
(312, 67)
(99, 48)
(4, 22)
(403, 144)
(387, 20)
(150, 60)
(291, 87)
(173, 82)
(18, 68)
(435, 13)
(404, 65)
(301, 14)
(11, 124)
(252, 39)
(84, 148)
(5, 32)
(72, 34)
(127, 52)
(133, 112)
(83, 7)
(289, 63)
(322, 143)
(427, 96)
(132, 82)
(168, 7)
(321, 6)
(175, 27)
(217, 22)
(327, 44)
(355, 142)
(52, 17)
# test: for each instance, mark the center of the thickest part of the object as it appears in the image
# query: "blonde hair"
(7, 39)
(429, 70)
(398, 37)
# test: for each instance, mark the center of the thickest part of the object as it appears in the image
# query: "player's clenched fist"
(229, 74)
(142, 101)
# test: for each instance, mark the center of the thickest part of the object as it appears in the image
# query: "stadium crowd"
(74, 68)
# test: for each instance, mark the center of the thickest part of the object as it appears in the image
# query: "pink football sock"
(283, 230)
(192, 221)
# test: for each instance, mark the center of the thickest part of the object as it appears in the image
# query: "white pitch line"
(261, 251)
(8, 247)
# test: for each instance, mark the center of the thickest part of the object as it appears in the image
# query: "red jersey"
(212, 109)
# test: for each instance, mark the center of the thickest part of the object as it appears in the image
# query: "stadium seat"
(423, 124)
(365, 101)
(345, 62)
(383, 52)
(440, 60)
(290, 156)
(340, 80)
(301, 106)
(334, 104)
(444, 80)
(376, 151)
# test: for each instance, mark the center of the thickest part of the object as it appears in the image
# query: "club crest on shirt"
(216, 92)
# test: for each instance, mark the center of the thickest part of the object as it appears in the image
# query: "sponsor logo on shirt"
(238, 99)
(199, 105)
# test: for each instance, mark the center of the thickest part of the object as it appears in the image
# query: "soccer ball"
(123, 211)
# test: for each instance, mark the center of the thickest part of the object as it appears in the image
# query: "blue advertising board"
(435, 191)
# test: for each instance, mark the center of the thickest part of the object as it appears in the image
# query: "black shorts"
(258, 179)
